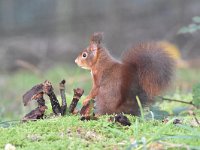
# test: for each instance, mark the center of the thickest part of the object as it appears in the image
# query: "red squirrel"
(144, 71)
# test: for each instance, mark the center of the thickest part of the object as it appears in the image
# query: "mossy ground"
(71, 133)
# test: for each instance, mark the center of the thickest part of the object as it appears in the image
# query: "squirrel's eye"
(84, 55)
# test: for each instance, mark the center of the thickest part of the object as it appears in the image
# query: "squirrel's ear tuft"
(97, 37)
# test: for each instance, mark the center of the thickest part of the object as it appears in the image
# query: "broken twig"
(32, 94)
(63, 97)
(77, 95)
(174, 100)
(48, 89)
(37, 113)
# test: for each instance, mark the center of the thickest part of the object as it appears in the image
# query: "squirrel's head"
(88, 57)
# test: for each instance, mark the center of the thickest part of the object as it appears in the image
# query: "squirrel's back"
(153, 65)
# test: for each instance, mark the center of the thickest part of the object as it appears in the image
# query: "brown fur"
(144, 71)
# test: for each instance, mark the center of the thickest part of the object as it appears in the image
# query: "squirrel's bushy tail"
(154, 66)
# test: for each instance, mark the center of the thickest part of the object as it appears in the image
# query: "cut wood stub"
(48, 89)
(63, 97)
(77, 95)
(54, 103)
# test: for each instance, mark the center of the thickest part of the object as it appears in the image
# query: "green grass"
(69, 132)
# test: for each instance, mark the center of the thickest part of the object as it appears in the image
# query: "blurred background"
(40, 39)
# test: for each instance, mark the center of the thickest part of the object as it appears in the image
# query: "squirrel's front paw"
(85, 102)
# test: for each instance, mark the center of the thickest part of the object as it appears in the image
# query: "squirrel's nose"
(76, 60)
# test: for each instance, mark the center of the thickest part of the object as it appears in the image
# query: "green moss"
(71, 133)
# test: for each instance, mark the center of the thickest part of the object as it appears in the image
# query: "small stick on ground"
(48, 89)
(174, 100)
(77, 95)
(63, 97)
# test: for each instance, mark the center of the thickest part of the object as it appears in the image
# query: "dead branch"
(77, 95)
(48, 89)
(32, 93)
(36, 93)
(35, 114)
(63, 97)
